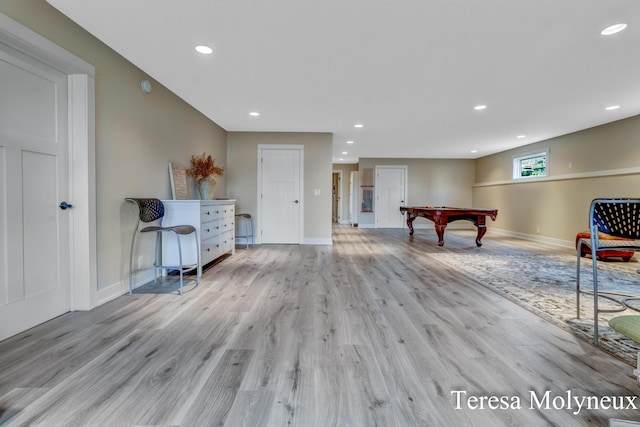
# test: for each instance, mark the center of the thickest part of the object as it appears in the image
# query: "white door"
(280, 201)
(390, 187)
(34, 173)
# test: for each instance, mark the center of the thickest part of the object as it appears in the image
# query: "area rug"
(545, 285)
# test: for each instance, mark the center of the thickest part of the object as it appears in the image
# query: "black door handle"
(64, 206)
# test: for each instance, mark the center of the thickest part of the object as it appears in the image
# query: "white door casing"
(353, 197)
(280, 202)
(47, 256)
(391, 193)
(339, 219)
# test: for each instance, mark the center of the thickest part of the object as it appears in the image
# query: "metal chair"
(151, 210)
(244, 220)
(619, 218)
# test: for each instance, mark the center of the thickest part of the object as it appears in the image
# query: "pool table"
(443, 215)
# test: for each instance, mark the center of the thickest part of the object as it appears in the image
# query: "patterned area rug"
(545, 285)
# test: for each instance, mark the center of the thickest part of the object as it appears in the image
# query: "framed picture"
(179, 182)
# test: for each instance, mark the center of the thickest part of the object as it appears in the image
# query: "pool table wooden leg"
(440, 232)
(481, 230)
(410, 219)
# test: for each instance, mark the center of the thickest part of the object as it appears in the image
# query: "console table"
(214, 221)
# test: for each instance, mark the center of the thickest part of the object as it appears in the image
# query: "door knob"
(64, 206)
(295, 201)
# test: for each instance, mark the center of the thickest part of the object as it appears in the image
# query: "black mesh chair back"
(617, 217)
(150, 209)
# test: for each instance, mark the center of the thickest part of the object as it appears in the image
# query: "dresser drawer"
(210, 250)
(228, 211)
(209, 229)
(210, 213)
(227, 224)
(227, 241)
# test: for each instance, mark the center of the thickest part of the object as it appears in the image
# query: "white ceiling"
(411, 71)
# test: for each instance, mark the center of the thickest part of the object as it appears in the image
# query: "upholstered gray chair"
(151, 210)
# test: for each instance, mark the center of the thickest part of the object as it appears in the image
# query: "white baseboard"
(109, 293)
(535, 238)
(120, 288)
(317, 241)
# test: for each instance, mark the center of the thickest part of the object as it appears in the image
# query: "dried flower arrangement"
(203, 166)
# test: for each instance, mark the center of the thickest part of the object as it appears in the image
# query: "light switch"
(316, 192)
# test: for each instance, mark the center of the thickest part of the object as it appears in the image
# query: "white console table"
(214, 221)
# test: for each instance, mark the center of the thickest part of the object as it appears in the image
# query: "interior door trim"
(261, 148)
(81, 98)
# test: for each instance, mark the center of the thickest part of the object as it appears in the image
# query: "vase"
(207, 188)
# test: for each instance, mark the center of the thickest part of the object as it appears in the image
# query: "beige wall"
(137, 134)
(582, 166)
(242, 152)
(435, 182)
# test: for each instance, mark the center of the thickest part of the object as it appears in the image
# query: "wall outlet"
(538, 230)
(140, 261)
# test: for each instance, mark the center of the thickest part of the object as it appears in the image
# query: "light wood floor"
(371, 331)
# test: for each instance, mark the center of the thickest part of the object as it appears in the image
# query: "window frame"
(517, 164)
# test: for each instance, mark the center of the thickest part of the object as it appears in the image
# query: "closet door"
(280, 201)
(34, 174)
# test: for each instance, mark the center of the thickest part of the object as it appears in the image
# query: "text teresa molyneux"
(544, 401)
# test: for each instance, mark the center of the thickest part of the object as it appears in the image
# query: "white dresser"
(215, 223)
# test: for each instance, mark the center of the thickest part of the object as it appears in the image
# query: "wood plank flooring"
(371, 331)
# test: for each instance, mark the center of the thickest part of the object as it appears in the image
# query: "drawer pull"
(208, 250)
(208, 230)
(208, 213)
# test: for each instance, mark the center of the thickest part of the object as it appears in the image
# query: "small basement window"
(530, 165)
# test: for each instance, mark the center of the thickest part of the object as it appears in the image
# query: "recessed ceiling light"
(473, 151)
(479, 107)
(349, 142)
(254, 114)
(358, 125)
(205, 50)
(616, 28)
(342, 160)
(612, 107)
(520, 136)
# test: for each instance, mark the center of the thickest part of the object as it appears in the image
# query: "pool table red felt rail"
(443, 215)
